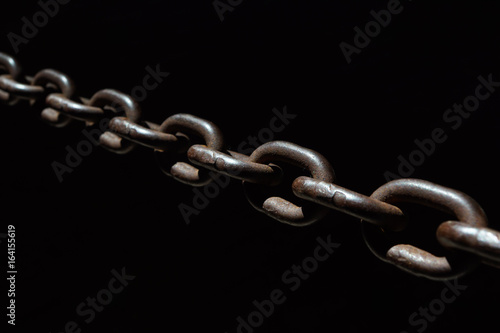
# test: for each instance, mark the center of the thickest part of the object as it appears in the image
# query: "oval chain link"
(409, 257)
(263, 197)
(176, 146)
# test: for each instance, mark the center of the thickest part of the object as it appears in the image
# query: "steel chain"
(175, 142)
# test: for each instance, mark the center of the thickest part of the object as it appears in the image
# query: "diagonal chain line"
(122, 129)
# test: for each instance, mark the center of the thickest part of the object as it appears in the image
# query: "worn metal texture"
(192, 127)
(74, 109)
(23, 90)
(350, 202)
(9, 66)
(409, 257)
(287, 182)
(265, 199)
(119, 104)
(146, 134)
(53, 81)
(235, 165)
(481, 241)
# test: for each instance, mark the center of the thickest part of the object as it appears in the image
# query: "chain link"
(78, 110)
(188, 147)
(264, 197)
(235, 165)
(53, 81)
(9, 66)
(146, 134)
(117, 103)
(413, 259)
(191, 127)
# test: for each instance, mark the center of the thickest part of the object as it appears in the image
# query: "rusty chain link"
(48, 79)
(188, 147)
(413, 259)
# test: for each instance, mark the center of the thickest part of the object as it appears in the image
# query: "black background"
(117, 211)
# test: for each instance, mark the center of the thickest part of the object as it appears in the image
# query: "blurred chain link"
(192, 150)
